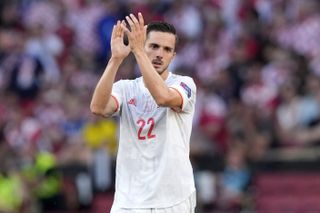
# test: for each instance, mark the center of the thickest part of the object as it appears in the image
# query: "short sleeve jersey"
(153, 169)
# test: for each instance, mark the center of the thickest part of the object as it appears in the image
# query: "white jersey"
(153, 168)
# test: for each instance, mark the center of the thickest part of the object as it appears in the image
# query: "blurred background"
(256, 132)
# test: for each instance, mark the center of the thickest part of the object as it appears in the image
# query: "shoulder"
(182, 77)
(128, 82)
(184, 81)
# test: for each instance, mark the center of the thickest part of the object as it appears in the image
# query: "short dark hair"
(161, 26)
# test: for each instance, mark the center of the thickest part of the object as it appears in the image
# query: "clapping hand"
(118, 48)
(137, 32)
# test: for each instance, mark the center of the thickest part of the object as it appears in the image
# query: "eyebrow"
(154, 44)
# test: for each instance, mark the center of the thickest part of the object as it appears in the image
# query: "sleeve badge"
(186, 89)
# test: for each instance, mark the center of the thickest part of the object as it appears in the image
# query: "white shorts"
(187, 206)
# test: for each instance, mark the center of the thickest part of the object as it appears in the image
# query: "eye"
(154, 46)
(168, 49)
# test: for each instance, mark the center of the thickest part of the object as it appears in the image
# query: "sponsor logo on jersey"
(133, 102)
(186, 89)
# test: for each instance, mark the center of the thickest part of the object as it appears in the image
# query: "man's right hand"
(118, 49)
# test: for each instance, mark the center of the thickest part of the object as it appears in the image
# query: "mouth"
(156, 63)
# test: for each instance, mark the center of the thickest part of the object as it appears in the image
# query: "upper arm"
(112, 106)
(117, 96)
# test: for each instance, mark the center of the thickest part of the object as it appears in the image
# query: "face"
(160, 48)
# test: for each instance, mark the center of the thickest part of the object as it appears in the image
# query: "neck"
(164, 75)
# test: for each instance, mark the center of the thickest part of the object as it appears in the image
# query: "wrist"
(116, 60)
(138, 52)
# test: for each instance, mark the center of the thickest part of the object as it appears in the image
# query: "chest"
(140, 103)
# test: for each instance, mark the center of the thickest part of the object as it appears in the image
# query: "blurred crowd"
(256, 64)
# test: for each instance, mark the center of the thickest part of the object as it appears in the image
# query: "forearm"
(153, 81)
(100, 102)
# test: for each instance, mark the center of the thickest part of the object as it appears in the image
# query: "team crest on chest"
(133, 102)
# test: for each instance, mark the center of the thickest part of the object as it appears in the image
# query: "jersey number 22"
(150, 125)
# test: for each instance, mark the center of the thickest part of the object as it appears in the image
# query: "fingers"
(121, 31)
(124, 27)
(113, 34)
(134, 20)
(141, 20)
(117, 30)
(133, 30)
(131, 23)
(145, 29)
(134, 23)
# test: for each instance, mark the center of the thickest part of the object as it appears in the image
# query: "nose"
(159, 53)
